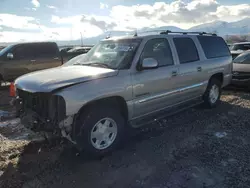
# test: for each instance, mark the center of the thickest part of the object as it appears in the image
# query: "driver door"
(20, 64)
(155, 89)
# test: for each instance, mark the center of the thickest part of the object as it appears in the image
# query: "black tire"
(1, 80)
(208, 102)
(86, 123)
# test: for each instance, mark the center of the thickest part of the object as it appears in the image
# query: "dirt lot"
(196, 148)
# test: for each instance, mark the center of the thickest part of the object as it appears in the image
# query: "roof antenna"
(135, 34)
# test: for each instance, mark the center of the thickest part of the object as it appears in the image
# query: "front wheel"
(101, 130)
(213, 92)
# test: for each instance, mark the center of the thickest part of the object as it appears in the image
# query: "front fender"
(79, 95)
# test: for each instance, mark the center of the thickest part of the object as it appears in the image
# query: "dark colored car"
(19, 59)
(77, 51)
(241, 70)
(65, 50)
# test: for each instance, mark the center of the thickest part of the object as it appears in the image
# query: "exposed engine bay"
(43, 112)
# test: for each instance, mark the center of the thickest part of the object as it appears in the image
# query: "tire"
(210, 100)
(88, 129)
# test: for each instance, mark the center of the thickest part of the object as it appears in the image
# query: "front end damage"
(44, 112)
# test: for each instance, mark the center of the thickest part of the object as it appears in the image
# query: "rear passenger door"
(190, 68)
(46, 56)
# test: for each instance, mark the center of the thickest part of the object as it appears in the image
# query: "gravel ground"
(196, 148)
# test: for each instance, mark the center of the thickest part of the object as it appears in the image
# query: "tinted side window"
(213, 46)
(160, 50)
(186, 50)
(245, 47)
(46, 50)
(23, 52)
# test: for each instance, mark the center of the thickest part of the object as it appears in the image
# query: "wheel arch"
(219, 76)
(114, 101)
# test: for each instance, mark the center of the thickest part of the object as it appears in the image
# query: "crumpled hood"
(55, 78)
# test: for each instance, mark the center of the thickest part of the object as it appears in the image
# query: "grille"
(37, 102)
(241, 75)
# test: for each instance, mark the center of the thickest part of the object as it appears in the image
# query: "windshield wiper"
(99, 65)
(77, 64)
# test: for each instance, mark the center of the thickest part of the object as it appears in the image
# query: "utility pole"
(81, 38)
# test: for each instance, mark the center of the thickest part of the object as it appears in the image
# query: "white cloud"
(35, 3)
(179, 13)
(18, 22)
(52, 7)
(102, 23)
(103, 5)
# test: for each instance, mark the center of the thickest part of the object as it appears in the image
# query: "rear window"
(213, 46)
(186, 49)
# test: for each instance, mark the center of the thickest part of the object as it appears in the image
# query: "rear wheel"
(101, 130)
(213, 92)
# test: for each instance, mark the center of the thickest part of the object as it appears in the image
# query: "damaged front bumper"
(44, 112)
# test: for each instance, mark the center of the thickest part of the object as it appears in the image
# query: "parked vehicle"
(19, 59)
(77, 51)
(124, 82)
(241, 70)
(238, 48)
(65, 50)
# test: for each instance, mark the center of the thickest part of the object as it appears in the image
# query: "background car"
(241, 70)
(238, 48)
(77, 51)
(19, 59)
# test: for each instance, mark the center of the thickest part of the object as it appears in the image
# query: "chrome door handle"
(174, 73)
(33, 60)
(199, 69)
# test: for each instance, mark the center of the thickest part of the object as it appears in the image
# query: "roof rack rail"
(150, 31)
(185, 33)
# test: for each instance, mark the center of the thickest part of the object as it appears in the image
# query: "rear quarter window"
(214, 46)
(48, 50)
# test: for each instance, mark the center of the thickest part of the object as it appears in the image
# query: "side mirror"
(149, 63)
(10, 56)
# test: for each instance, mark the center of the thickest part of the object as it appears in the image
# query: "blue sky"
(22, 20)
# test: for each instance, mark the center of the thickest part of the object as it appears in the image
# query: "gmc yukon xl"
(121, 82)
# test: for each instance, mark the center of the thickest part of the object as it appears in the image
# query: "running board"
(169, 111)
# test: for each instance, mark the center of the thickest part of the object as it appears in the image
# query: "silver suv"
(121, 82)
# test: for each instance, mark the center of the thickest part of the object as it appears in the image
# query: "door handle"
(33, 60)
(56, 58)
(199, 69)
(174, 73)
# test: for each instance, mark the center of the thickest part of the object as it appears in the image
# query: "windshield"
(114, 54)
(3, 51)
(242, 58)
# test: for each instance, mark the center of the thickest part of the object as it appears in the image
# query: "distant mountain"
(220, 27)
(225, 28)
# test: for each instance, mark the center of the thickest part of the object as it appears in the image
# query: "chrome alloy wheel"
(103, 133)
(214, 94)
